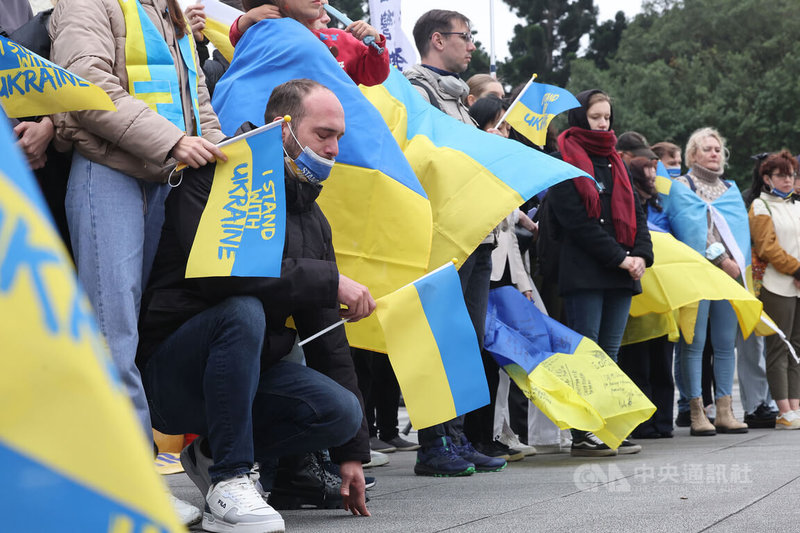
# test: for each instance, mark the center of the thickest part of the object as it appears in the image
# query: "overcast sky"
(478, 12)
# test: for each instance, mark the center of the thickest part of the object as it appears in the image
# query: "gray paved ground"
(725, 483)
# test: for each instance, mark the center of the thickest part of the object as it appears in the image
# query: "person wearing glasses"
(775, 231)
(444, 41)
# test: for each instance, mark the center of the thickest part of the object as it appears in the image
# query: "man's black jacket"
(306, 291)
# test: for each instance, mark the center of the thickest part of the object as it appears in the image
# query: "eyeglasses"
(780, 175)
(465, 35)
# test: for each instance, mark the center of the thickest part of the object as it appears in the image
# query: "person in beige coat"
(775, 230)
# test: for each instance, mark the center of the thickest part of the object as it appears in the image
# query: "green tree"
(549, 40)
(729, 64)
(355, 9)
(604, 40)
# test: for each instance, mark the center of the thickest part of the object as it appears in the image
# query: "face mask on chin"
(674, 172)
(309, 164)
(779, 194)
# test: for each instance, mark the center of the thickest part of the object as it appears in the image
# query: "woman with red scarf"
(604, 241)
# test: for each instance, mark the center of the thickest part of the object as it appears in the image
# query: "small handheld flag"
(536, 105)
(31, 86)
(243, 226)
(433, 348)
(219, 17)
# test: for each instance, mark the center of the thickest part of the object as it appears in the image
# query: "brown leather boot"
(701, 427)
(725, 422)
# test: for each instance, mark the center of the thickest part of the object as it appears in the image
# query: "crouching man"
(210, 348)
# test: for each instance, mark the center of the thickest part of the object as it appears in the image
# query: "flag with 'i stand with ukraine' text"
(533, 110)
(243, 226)
(69, 440)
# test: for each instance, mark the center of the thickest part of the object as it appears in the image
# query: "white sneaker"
(187, 513)
(788, 420)
(512, 441)
(234, 505)
(376, 459)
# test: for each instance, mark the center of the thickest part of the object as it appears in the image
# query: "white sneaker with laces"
(376, 459)
(187, 513)
(788, 420)
(235, 506)
(510, 439)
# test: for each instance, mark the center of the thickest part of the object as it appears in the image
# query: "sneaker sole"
(592, 453)
(487, 470)
(425, 471)
(629, 450)
(409, 448)
(273, 525)
(781, 426)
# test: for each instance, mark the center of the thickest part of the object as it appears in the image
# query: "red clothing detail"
(362, 63)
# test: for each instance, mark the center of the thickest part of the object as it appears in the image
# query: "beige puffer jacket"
(89, 40)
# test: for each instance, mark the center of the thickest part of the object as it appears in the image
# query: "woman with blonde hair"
(707, 213)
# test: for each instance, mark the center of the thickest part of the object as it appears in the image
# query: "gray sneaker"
(196, 465)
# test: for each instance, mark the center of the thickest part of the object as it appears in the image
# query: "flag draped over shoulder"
(67, 432)
(243, 226)
(31, 85)
(565, 374)
(433, 348)
(474, 179)
(538, 104)
(379, 213)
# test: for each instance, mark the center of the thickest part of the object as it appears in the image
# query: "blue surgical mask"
(779, 194)
(310, 164)
(674, 172)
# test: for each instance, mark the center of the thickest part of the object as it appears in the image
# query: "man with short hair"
(633, 144)
(444, 41)
(210, 348)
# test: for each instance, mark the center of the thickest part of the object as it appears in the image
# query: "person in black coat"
(604, 241)
(210, 348)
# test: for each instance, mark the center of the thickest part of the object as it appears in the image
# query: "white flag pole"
(492, 59)
(515, 101)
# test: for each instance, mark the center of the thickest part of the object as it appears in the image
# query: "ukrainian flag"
(565, 374)
(535, 107)
(219, 17)
(474, 179)
(69, 440)
(243, 226)
(433, 348)
(31, 86)
(378, 211)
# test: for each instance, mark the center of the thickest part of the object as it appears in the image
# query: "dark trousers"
(206, 379)
(475, 274)
(380, 391)
(649, 365)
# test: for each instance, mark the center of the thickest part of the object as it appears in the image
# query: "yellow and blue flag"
(243, 226)
(565, 374)
(535, 107)
(219, 17)
(473, 179)
(31, 85)
(68, 432)
(433, 348)
(379, 213)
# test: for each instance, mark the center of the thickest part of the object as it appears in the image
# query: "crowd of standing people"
(284, 428)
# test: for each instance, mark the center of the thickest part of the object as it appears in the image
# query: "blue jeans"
(722, 319)
(206, 379)
(115, 225)
(600, 315)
